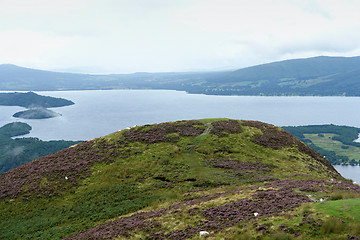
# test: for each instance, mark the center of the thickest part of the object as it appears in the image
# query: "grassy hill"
(234, 179)
(324, 76)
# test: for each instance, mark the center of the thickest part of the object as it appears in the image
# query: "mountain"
(233, 179)
(15, 78)
(324, 76)
(309, 76)
(299, 68)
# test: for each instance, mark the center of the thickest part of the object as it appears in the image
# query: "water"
(358, 140)
(98, 113)
(350, 172)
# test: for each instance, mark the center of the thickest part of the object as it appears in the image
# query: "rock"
(204, 234)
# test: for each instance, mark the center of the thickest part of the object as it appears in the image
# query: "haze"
(124, 36)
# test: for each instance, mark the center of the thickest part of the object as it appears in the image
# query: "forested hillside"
(321, 76)
(18, 151)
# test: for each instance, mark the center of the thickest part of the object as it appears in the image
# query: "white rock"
(256, 214)
(204, 233)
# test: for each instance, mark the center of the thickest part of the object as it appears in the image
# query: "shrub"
(336, 197)
(332, 225)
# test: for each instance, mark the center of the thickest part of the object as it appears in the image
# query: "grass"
(327, 143)
(53, 220)
(337, 219)
(345, 208)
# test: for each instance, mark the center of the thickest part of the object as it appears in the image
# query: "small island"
(36, 104)
(36, 113)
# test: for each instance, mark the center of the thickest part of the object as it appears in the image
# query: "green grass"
(53, 220)
(326, 142)
(346, 208)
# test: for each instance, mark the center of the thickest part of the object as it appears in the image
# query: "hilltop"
(321, 76)
(234, 179)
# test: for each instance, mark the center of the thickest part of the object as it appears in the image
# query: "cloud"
(155, 35)
(15, 150)
(23, 46)
(40, 6)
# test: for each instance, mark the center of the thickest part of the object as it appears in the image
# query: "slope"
(299, 68)
(171, 180)
(15, 152)
(309, 76)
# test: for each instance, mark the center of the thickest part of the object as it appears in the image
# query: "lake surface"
(350, 172)
(98, 113)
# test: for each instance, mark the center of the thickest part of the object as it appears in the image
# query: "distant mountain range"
(324, 76)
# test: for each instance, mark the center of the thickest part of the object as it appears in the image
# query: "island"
(32, 100)
(36, 113)
(36, 104)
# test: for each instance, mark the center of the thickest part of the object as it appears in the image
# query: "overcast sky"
(124, 36)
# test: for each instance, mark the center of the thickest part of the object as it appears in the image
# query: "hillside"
(234, 179)
(15, 152)
(322, 76)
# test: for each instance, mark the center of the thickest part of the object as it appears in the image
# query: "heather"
(172, 180)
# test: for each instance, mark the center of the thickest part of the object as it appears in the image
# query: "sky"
(126, 36)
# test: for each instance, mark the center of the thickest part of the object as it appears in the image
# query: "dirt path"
(208, 129)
